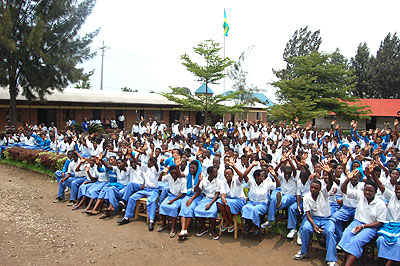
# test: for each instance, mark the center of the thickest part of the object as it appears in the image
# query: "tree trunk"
(13, 103)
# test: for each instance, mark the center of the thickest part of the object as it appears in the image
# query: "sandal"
(222, 228)
(215, 237)
(182, 237)
(172, 234)
(231, 229)
(162, 228)
(75, 208)
(84, 211)
(202, 232)
(105, 215)
(93, 212)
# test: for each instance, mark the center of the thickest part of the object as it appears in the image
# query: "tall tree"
(316, 85)
(303, 42)
(239, 75)
(40, 46)
(84, 82)
(361, 65)
(212, 70)
(385, 69)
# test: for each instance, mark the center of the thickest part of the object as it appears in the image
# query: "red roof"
(381, 107)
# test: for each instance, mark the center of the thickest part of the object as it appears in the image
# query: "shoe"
(291, 234)
(332, 263)
(123, 221)
(266, 224)
(71, 202)
(67, 189)
(122, 204)
(278, 199)
(231, 229)
(298, 240)
(58, 199)
(339, 248)
(202, 233)
(151, 226)
(162, 228)
(300, 256)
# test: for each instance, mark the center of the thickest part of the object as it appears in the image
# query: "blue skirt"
(189, 211)
(253, 210)
(170, 210)
(235, 204)
(200, 210)
(94, 191)
(389, 251)
(354, 243)
(83, 189)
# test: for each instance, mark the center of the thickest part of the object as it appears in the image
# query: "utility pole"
(102, 63)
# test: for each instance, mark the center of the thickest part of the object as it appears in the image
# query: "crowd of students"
(344, 187)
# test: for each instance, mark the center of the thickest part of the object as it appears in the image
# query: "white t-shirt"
(259, 193)
(393, 208)
(175, 187)
(233, 191)
(368, 213)
(319, 207)
(209, 188)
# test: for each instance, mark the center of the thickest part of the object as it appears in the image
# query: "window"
(68, 114)
(258, 115)
(96, 114)
(158, 114)
(19, 115)
(140, 113)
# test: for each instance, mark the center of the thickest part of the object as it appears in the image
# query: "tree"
(84, 83)
(361, 64)
(317, 85)
(40, 47)
(238, 74)
(385, 69)
(211, 71)
(215, 104)
(126, 89)
(303, 42)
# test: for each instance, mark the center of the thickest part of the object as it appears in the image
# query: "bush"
(48, 160)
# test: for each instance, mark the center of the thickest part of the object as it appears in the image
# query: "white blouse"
(233, 191)
(259, 193)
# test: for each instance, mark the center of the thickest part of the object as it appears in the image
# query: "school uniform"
(235, 197)
(150, 192)
(84, 187)
(176, 187)
(365, 214)
(80, 177)
(293, 212)
(320, 212)
(208, 189)
(115, 192)
(64, 170)
(288, 189)
(258, 200)
(67, 183)
(388, 247)
(102, 181)
(135, 182)
(191, 183)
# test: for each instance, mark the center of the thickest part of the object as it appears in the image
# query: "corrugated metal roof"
(380, 107)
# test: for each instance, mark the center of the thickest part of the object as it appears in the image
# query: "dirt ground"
(36, 231)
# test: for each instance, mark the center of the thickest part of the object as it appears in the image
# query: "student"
(177, 190)
(370, 215)
(317, 219)
(91, 177)
(60, 174)
(68, 178)
(259, 189)
(149, 190)
(190, 201)
(232, 196)
(207, 207)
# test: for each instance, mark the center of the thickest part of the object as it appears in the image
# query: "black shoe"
(123, 221)
(249, 225)
(151, 226)
(123, 204)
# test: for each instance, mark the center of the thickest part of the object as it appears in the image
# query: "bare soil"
(36, 231)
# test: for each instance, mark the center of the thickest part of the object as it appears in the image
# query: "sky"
(146, 39)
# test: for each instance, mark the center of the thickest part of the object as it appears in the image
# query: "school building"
(77, 104)
(382, 110)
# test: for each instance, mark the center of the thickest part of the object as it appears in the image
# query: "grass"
(27, 166)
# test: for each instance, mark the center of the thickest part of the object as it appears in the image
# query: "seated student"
(232, 196)
(332, 193)
(91, 177)
(303, 187)
(80, 177)
(191, 200)
(207, 207)
(135, 181)
(60, 174)
(285, 196)
(370, 215)
(259, 189)
(317, 219)
(68, 178)
(149, 190)
(177, 190)
(388, 242)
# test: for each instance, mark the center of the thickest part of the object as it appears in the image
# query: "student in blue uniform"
(68, 178)
(91, 178)
(60, 174)
(370, 215)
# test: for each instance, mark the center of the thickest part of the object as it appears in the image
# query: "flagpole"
(224, 58)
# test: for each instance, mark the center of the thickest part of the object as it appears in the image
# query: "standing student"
(207, 207)
(172, 203)
(370, 215)
(317, 219)
(232, 196)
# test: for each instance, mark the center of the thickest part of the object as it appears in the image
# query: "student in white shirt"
(232, 196)
(317, 220)
(207, 207)
(370, 215)
(259, 189)
(92, 175)
(171, 204)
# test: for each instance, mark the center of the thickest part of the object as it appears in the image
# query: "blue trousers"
(328, 226)
(151, 194)
(163, 195)
(129, 190)
(62, 186)
(344, 214)
(114, 195)
(293, 213)
(354, 244)
(287, 200)
(75, 187)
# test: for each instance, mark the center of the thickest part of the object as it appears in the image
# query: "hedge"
(39, 158)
